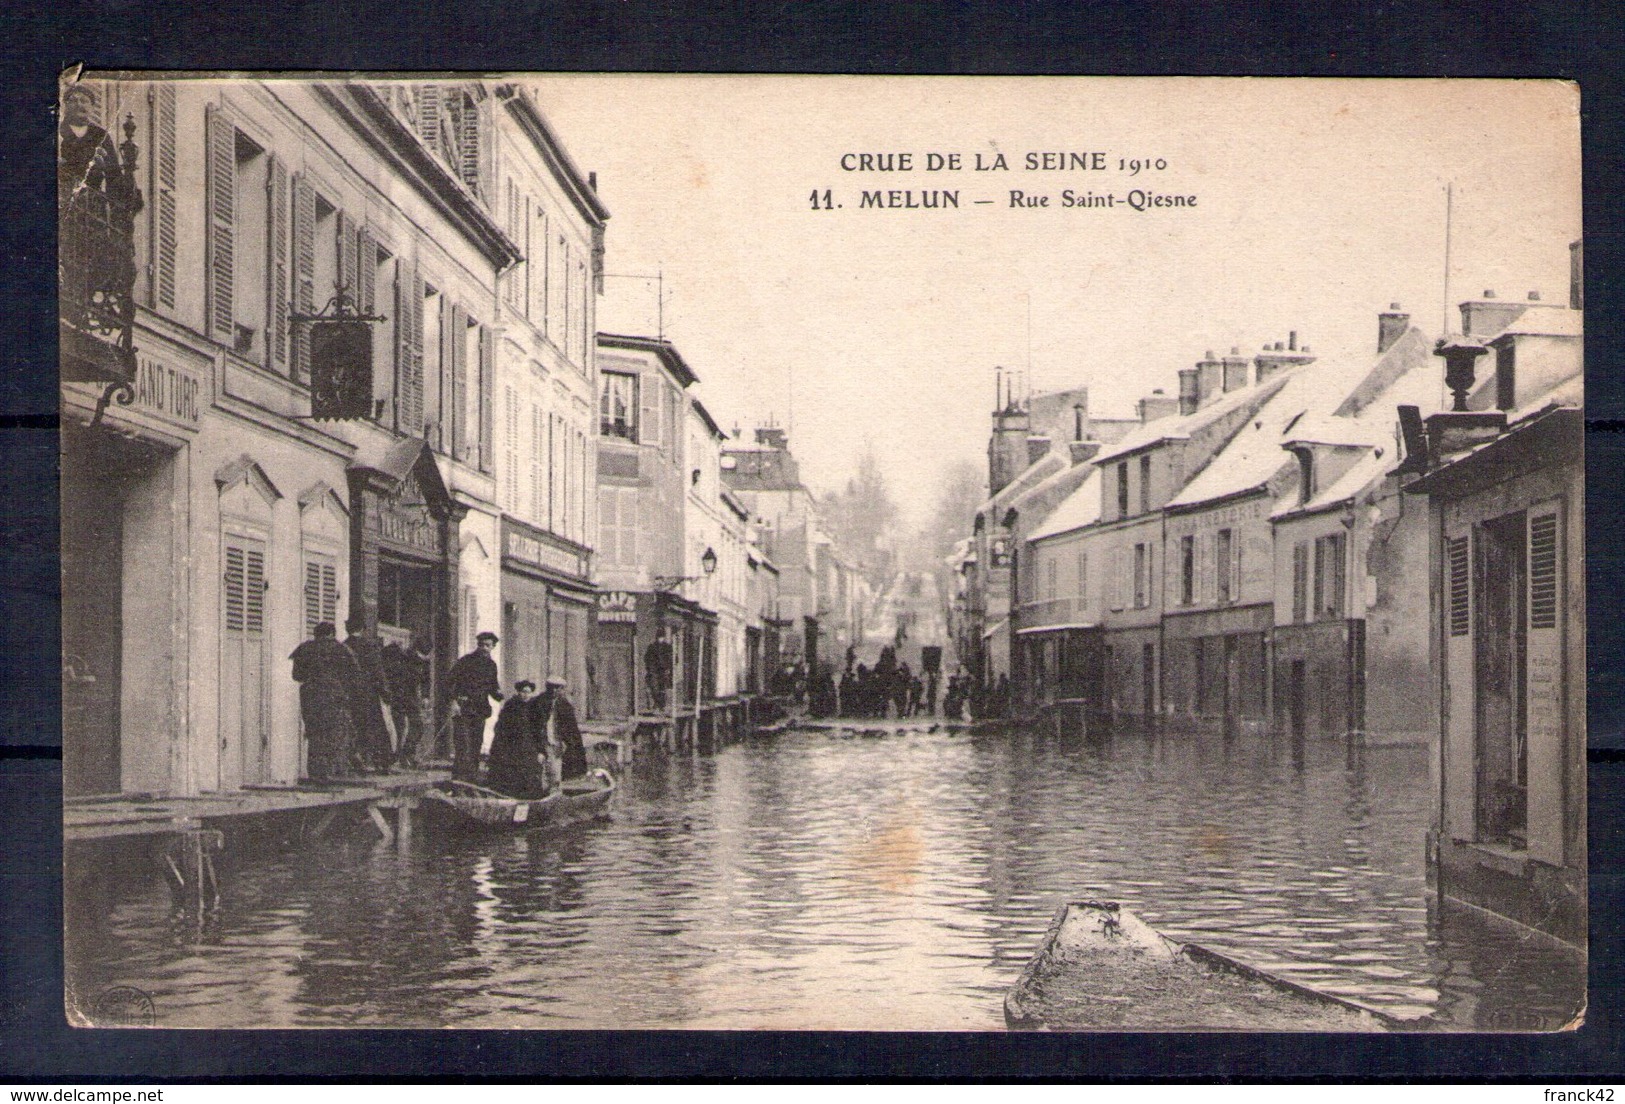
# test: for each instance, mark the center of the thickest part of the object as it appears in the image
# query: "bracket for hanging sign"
(340, 359)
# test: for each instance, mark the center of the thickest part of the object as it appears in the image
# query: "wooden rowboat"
(1102, 968)
(476, 808)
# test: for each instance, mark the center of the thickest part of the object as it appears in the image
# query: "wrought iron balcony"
(97, 203)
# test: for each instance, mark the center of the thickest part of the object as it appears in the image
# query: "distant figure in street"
(555, 718)
(517, 752)
(325, 671)
(472, 683)
(657, 661)
(374, 746)
(408, 672)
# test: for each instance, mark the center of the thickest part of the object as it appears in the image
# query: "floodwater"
(819, 880)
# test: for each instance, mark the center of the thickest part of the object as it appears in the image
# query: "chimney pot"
(1534, 296)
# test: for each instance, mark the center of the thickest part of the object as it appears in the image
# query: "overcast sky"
(1317, 204)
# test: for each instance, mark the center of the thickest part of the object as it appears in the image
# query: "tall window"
(250, 314)
(1300, 582)
(1329, 577)
(1145, 483)
(1122, 489)
(618, 405)
(1187, 570)
(1224, 562)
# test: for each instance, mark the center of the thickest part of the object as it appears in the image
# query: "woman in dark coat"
(513, 767)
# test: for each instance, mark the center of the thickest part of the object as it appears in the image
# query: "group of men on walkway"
(368, 707)
(365, 706)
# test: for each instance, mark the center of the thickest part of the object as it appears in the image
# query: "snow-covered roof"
(1254, 454)
(1180, 426)
(1035, 473)
(1080, 508)
(1546, 323)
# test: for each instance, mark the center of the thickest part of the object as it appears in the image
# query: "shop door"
(96, 470)
(1501, 758)
(244, 735)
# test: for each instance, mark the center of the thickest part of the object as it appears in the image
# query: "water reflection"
(814, 880)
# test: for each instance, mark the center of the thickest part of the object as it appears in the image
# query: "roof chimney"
(1279, 356)
(1235, 369)
(1209, 379)
(1391, 325)
(1160, 405)
(1189, 390)
(1488, 316)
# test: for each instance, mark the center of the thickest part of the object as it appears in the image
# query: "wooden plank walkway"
(146, 814)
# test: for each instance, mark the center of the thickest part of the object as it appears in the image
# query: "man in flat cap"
(556, 717)
(471, 685)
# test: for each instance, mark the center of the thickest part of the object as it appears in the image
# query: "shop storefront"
(548, 603)
(123, 603)
(404, 550)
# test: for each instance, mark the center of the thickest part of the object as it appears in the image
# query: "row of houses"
(330, 352)
(1382, 547)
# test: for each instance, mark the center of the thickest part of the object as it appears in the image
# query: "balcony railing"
(97, 204)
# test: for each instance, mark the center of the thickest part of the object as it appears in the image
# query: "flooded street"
(821, 880)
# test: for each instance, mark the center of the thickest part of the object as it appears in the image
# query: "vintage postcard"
(633, 552)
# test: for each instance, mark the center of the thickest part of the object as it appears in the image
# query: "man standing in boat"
(556, 719)
(471, 686)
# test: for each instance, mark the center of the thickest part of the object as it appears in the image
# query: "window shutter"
(538, 485)
(321, 594)
(313, 596)
(278, 299)
(488, 348)
(304, 271)
(429, 115)
(414, 361)
(608, 499)
(1300, 582)
(234, 588)
(1458, 586)
(366, 291)
(1551, 822)
(163, 162)
(1543, 572)
(221, 185)
(245, 589)
(468, 146)
(461, 448)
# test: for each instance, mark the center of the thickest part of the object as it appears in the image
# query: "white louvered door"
(244, 735)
